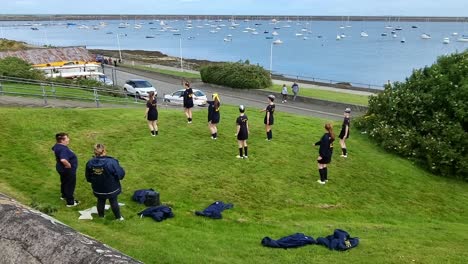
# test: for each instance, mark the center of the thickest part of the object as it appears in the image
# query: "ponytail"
(99, 150)
(329, 128)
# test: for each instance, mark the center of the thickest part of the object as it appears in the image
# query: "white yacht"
(446, 41)
(364, 34)
(277, 42)
(425, 36)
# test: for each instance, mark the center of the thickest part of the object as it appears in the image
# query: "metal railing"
(329, 82)
(51, 90)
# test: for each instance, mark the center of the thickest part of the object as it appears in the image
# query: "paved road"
(165, 85)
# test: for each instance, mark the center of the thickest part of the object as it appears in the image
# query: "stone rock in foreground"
(28, 236)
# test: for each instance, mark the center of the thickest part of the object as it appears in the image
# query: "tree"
(425, 118)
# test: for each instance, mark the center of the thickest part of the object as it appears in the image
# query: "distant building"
(52, 56)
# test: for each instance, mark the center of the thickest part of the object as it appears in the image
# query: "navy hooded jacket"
(158, 213)
(292, 241)
(214, 210)
(104, 173)
(340, 240)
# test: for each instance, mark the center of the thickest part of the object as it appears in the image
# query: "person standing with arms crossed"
(344, 134)
(188, 101)
(214, 115)
(242, 133)
(66, 166)
(151, 113)
(104, 173)
(325, 152)
(269, 118)
(295, 90)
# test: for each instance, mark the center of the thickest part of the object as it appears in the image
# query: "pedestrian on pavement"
(105, 173)
(344, 134)
(66, 166)
(151, 113)
(295, 90)
(269, 118)
(325, 152)
(284, 93)
(188, 101)
(242, 133)
(213, 115)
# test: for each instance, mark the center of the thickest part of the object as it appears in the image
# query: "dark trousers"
(101, 202)
(67, 185)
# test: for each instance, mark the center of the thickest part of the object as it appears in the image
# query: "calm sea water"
(309, 48)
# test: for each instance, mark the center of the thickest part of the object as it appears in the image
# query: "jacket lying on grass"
(292, 241)
(214, 210)
(340, 240)
(158, 213)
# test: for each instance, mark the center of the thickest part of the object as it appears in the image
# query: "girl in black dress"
(344, 134)
(188, 101)
(213, 115)
(242, 133)
(269, 118)
(325, 152)
(151, 113)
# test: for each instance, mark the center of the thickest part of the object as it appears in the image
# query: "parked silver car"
(176, 97)
(139, 88)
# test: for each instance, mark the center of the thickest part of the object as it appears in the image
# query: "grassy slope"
(400, 212)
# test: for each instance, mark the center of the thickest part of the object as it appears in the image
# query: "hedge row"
(240, 75)
(425, 118)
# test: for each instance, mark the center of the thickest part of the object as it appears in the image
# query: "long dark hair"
(329, 128)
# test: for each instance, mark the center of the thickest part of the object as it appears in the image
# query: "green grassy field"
(326, 95)
(401, 213)
(104, 95)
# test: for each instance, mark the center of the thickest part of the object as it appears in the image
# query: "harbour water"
(309, 49)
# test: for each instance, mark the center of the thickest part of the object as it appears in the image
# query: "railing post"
(44, 94)
(53, 91)
(1, 89)
(96, 97)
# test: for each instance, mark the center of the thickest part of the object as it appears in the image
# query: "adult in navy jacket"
(66, 166)
(104, 173)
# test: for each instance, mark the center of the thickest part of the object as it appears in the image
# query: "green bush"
(240, 75)
(15, 67)
(425, 118)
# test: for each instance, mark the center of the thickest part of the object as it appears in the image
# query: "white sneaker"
(343, 156)
(189, 122)
(239, 157)
(120, 219)
(246, 157)
(321, 182)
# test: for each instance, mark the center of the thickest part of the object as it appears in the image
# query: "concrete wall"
(28, 236)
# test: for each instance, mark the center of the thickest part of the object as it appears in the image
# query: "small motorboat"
(425, 36)
(446, 41)
(277, 42)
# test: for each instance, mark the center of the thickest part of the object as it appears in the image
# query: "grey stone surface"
(28, 236)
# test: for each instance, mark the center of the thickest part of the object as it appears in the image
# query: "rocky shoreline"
(153, 57)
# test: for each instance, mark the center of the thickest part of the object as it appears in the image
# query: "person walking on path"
(269, 118)
(344, 134)
(325, 152)
(104, 173)
(242, 133)
(188, 101)
(284, 93)
(151, 113)
(66, 166)
(213, 115)
(295, 90)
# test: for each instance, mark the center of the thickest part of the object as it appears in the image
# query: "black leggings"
(101, 202)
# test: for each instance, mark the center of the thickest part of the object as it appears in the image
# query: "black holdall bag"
(148, 197)
(152, 198)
